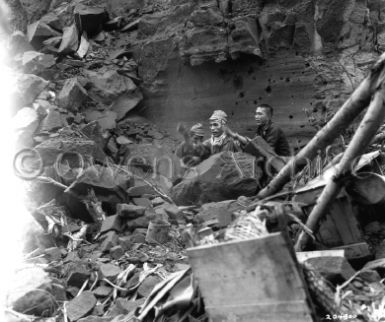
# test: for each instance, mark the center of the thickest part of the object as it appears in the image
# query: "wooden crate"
(251, 280)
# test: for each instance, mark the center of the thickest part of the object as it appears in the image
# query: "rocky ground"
(100, 87)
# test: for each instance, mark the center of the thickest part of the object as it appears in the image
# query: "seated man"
(219, 140)
(192, 151)
(272, 134)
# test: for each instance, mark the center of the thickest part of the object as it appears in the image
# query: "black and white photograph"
(192, 160)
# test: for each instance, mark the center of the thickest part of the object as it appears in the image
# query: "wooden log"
(367, 129)
(356, 103)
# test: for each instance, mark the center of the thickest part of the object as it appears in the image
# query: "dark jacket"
(276, 139)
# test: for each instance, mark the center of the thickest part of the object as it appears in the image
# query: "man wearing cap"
(192, 151)
(219, 140)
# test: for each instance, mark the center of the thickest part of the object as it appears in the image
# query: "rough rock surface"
(223, 176)
(195, 57)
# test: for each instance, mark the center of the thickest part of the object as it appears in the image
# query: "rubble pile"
(122, 232)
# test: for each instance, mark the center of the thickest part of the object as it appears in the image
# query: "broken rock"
(80, 306)
(70, 40)
(116, 252)
(141, 222)
(130, 211)
(109, 271)
(126, 242)
(72, 95)
(78, 276)
(138, 191)
(52, 122)
(35, 62)
(223, 176)
(114, 222)
(106, 85)
(106, 119)
(138, 238)
(102, 291)
(110, 239)
(126, 103)
(50, 149)
(38, 32)
(143, 202)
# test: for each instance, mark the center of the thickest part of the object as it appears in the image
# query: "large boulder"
(38, 32)
(34, 62)
(223, 176)
(106, 85)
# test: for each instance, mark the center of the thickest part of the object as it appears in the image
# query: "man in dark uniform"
(272, 134)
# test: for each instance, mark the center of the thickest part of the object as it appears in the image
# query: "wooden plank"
(251, 280)
(277, 312)
(358, 250)
(343, 215)
(303, 256)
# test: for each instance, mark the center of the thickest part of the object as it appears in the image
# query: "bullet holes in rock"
(238, 81)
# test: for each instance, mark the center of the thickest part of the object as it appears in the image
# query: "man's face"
(197, 139)
(262, 116)
(216, 128)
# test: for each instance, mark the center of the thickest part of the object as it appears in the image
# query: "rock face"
(223, 176)
(302, 57)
